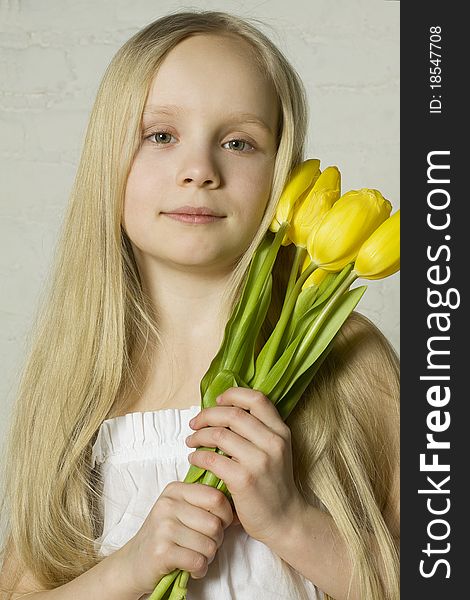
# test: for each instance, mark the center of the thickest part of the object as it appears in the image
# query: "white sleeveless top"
(138, 454)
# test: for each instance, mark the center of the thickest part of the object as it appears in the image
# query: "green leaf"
(327, 281)
(304, 301)
(307, 321)
(260, 257)
(222, 381)
(271, 387)
(247, 331)
(247, 368)
(270, 383)
(245, 310)
(234, 346)
(338, 315)
(288, 401)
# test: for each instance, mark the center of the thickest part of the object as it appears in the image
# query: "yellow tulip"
(379, 255)
(302, 177)
(345, 227)
(318, 200)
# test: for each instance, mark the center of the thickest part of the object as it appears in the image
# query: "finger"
(209, 499)
(198, 519)
(231, 443)
(239, 421)
(223, 467)
(185, 537)
(189, 560)
(257, 404)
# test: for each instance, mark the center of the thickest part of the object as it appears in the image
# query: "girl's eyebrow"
(234, 117)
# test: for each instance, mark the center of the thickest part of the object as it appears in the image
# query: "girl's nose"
(200, 172)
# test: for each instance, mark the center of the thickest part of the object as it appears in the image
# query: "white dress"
(138, 454)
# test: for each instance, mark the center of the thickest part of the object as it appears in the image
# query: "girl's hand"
(182, 531)
(258, 469)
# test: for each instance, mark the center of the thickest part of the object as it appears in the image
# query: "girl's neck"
(191, 320)
(189, 303)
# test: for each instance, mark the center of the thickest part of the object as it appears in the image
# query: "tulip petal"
(318, 199)
(301, 178)
(345, 227)
(379, 255)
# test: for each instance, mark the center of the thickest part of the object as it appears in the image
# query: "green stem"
(276, 336)
(210, 479)
(185, 578)
(298, 259)
(164, 584)
(180, 587)
(224, 489)
(319, 321)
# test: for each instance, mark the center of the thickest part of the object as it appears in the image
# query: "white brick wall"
(52, 56)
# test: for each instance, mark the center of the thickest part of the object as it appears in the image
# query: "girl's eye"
(240, 145)
(157, 136)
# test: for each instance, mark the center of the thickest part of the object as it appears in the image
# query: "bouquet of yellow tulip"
(337, 239)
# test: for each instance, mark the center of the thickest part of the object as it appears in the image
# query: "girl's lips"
(193, 218)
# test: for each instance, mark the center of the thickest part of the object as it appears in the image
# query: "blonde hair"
(85, 338)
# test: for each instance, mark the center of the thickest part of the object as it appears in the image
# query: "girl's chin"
(198, 257)
(203, 263)
(204, 266)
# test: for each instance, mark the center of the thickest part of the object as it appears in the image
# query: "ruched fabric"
(138, 454)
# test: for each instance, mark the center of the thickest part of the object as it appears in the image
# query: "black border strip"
(434, 137)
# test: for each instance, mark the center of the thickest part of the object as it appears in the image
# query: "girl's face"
(201, 179)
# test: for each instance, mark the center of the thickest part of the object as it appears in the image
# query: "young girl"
(197, 124)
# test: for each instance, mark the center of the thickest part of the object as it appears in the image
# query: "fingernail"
(218, 399)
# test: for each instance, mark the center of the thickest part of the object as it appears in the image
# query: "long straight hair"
(96, 315)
